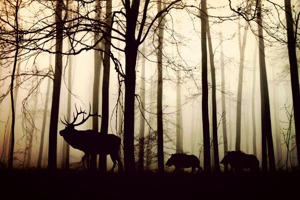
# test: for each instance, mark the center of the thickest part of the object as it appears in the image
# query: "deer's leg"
(83, 161)
(86, 161)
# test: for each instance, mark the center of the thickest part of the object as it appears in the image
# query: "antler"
(65, 122)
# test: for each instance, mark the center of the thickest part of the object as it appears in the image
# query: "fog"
(182, 52)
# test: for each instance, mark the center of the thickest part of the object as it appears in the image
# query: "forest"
(96, 91)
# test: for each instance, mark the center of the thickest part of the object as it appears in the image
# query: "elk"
(91, 141)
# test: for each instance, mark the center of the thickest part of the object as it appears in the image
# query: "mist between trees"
(190, 77)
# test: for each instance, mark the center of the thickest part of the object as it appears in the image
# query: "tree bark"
(52, 151)
(205, 114)
(214, 104)
(242, 47)
(293, 72)
(267, 142)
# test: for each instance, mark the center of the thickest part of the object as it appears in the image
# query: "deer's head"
(70, 126)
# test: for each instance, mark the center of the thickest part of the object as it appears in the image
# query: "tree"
(179, 131)
(214, 103)
(224, 123)
(291, 44)
(17, 41)
(142, 116)
(160, 132)
(131, 47)
(205, 115)
(106, 78)
(56, 86)
(267, 142)
(242, 47)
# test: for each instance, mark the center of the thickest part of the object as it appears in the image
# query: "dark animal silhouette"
(181, 160)
(92, 142)
(239, 161)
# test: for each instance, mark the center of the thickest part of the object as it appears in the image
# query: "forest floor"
(54, 185)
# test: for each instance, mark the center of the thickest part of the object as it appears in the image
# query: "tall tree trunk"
(98, 57)
(242, 47)
(253, 105)
(179, 132)
(293, 71)
(41, 148)
(142, 117)
(267, 142)
(224, 121)
(205, 114)
(66, 147)
(214, 103)
(130, 81)
(105, 85)
(12, 146)
(31, 130)
(52, 151)
(160, 142)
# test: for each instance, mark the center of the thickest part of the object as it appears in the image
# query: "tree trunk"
(13, 117)
(130, 80)
(224, 121)
(142, 117)
(40, 155)
(214, 103)
(66, 147)
(105, 85)
(253, 106)
(293, 72)
(267, 142)
(179, 132)
(160, 132)
(242, 47)
(52, 151)
(205, 115)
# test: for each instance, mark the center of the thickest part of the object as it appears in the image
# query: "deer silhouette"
(91, 141)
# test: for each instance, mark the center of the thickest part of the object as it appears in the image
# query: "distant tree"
(242, 47)
(224, 122)
(179, 131)
(43, 130)
(253, 105)
(142, 115)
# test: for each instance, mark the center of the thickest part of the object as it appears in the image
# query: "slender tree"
(98, 57)
(132, 42)
(267, 142)
(142, 116)
(205, 115)
(214, 102)
(291, 44)
(17, 41)
(52, 151)
(106, 78)
(224, 122)
(242, 47)
(43, 130)
(253, 105)
(179, 132)
(160, 142)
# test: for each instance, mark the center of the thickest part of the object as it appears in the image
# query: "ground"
(33, 184)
